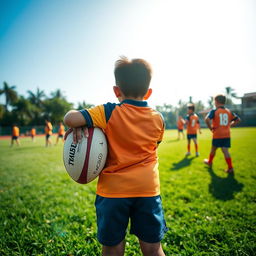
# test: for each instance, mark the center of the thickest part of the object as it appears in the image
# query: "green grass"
(208, 212)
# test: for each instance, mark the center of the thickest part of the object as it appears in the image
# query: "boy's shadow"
(182, 163)
(224, 188)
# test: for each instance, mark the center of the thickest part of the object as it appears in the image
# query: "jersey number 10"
(223, 119)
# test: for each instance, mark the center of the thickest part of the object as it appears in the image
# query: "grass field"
(208, 212)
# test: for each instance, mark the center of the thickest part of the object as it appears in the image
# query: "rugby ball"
(84, 161)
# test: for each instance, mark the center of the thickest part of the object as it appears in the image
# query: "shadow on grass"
(182, 163)
(224, 188)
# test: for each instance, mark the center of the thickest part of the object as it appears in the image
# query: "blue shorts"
(47, 136)
(180, 130)
(191, 136)
(221, 143)
(15, 137)
(146, 214)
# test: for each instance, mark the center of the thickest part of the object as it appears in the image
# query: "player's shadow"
(186, 161)
(224, 188)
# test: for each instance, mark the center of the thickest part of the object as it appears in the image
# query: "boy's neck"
(218, 105)
(131, 98)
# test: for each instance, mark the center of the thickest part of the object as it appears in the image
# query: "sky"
(196, 47)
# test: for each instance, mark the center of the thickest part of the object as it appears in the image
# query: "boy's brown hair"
(133, 76)
(220, 98)
(191, 106)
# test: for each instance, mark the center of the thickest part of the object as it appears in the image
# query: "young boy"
(48, 133)
(180, 126)
(15, 135)
(33, 133)
(192, 122)
(128, 187)
(219, 121)
(61, 133)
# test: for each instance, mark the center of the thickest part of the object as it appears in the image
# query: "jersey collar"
(137, 103)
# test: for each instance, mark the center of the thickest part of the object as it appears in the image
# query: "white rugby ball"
(84, 161)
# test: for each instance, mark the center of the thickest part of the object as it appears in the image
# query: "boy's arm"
(235, 121)
(199, 127)
(208, 123)
(74, 119)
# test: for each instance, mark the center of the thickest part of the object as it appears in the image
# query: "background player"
(15, 135)
(48, 133)
(61, 133)
(180, 127)
(192, 122)
(33, 133)
(219, 121)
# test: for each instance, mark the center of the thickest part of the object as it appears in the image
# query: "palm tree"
(23, 110)
(37, 97)
(58, 94)
(230, 93)
(11, 95)
(84, 105)
(210, 102)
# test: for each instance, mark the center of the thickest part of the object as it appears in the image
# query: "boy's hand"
(77, 133)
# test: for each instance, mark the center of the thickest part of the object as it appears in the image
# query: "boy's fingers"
(78, 134)
(86, 132)
(75, 135)
(67, 133)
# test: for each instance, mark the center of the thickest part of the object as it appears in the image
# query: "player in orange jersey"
(180, 126)
(219, 121)
(33, 133)
(128, 187)
(61, 133)
(192, 122)
(48, 133)
(15, 135)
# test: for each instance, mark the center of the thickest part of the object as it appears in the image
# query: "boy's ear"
(117, 91)
(148, 94)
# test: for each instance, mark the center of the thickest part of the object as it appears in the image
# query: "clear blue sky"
(196, 47)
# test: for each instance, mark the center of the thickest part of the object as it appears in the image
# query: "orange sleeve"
(95, 117)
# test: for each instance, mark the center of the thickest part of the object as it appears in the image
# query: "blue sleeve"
(211, 114)
(87, 117)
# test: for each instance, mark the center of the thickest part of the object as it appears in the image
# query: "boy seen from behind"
(180, 126)
(15, 135)
(192, 122)
(219, 121)
(128, 187)
(48, 133)
(61, 132)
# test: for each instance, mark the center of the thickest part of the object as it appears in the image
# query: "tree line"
(36, 106)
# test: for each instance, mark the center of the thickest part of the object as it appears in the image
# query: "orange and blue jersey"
(133, 131)
(48, 128)
(192, 123)
(61, 130)
(221, 119)
(15, 131)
